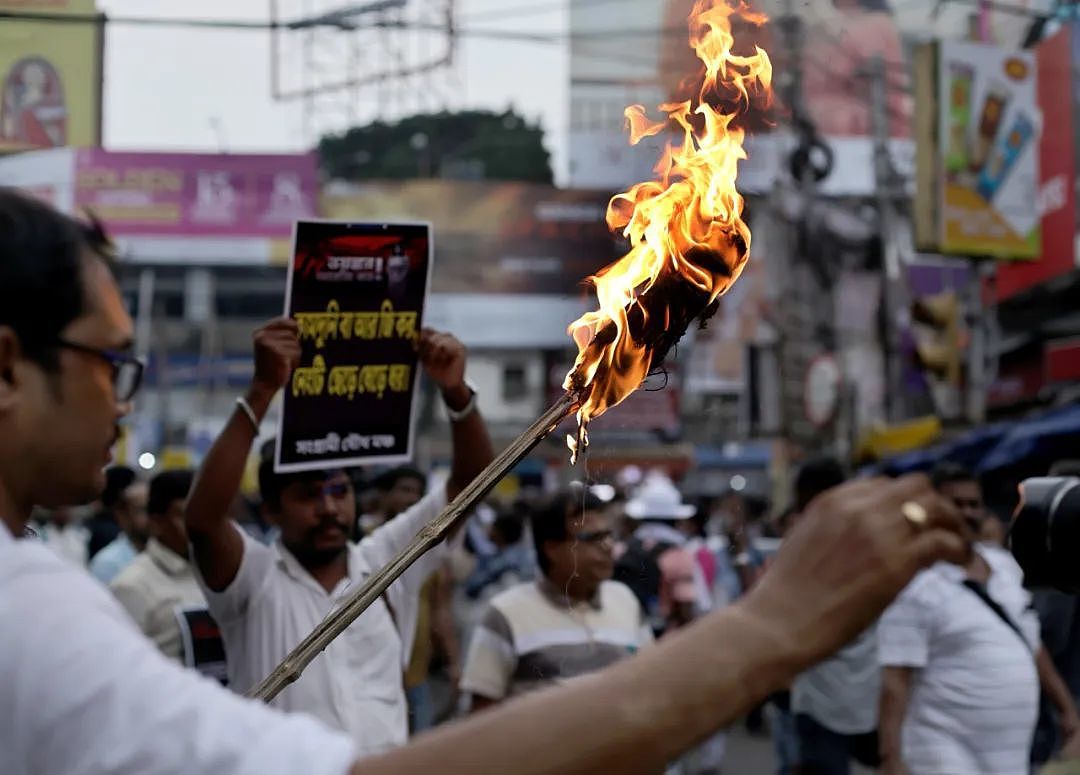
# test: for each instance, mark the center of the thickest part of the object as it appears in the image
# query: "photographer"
(962, 661)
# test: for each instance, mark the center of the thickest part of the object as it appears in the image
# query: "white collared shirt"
(356, 684)
(152, 588)
(82, 692)
(975, 692)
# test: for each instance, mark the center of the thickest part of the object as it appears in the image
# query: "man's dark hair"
(388, 480)
(949, 473)
(509, 527)
(549, 520)
(167, 487)
(272, 484)
(41, 273)
(815, 476)
(117, 480)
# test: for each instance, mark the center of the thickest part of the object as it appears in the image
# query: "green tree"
(472, 144)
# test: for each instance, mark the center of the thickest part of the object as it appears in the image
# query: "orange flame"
(686, 226)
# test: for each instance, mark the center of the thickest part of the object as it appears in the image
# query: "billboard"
(190, 194)
(1058, 58)
(641, 55)
(50, 77)
(494, 237)
(979, 151)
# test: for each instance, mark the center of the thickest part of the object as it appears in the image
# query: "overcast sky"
(182, 89)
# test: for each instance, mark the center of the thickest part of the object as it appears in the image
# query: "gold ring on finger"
(914, 513)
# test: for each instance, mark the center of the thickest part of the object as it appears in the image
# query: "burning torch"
(688, 246)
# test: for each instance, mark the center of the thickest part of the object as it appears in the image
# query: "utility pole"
(894, 285)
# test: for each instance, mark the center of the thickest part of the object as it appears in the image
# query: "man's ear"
(10, 354)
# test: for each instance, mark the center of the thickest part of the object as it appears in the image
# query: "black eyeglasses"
(127, 370)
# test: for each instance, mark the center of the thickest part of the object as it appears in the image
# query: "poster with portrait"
(357, 292)
(50, 76)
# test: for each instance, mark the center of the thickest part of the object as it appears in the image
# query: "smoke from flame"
(689, 242)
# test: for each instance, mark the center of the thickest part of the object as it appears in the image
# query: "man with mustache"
(267, 599)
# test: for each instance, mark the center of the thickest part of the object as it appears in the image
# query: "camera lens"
(1046, 532)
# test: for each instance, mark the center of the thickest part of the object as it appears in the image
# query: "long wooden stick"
(429, 536)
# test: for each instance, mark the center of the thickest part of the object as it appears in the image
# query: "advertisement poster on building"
(50, 76)
(988, 146)
(1058, 57)
(196, 194)
(357, 292)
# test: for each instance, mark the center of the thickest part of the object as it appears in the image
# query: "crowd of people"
(878, 621)
(552, 587)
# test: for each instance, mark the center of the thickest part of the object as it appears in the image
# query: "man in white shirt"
(835, 702)
(267, 599)
(82, 692)
(962, 662)
(160, 583)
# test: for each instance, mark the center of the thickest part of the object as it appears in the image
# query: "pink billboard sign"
(184, 194)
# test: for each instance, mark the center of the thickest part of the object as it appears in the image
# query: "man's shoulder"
(1001, 561)
(525, 593)
(134, 576)
(615, 593)
(930, 585)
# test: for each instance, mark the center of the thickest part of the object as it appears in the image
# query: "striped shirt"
(975, 692)
(532, 635)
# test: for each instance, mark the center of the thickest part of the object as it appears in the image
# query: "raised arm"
(443, 358)
(217, 544)
(845, 561)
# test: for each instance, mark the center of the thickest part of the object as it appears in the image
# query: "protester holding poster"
(267, 599)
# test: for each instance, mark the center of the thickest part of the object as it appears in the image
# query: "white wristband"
(457, 415)
(246, 407)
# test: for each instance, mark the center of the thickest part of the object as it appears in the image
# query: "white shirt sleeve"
(905, 628)
(83, 692)
(231, 603)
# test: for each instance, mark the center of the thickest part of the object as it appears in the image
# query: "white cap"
(658, 498)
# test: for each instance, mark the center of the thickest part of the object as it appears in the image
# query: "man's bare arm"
(443, 358)
(217, 544)
(849, 557)
(1054, 685)
(895, 691)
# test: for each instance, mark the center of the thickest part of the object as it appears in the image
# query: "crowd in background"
(550, 586)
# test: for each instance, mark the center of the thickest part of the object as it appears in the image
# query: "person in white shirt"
(160, 583)
(130, 513)
(267, 599)
(835, 703)
(962, 661)
(82, 692)
(65, 536)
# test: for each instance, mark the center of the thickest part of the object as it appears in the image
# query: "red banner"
(1057, 166)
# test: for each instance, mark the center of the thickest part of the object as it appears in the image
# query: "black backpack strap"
(982, 594)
